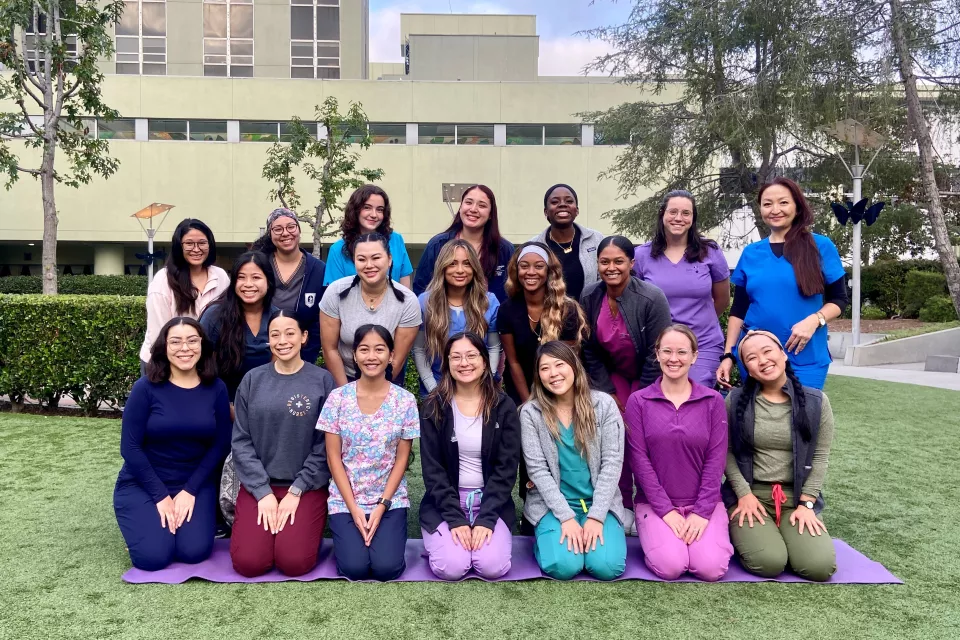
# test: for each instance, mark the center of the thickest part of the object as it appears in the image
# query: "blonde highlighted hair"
(436, 321)
(556, 302)
(584, 417)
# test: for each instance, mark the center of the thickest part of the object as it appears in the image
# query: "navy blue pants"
(383, 559)
(153, 547)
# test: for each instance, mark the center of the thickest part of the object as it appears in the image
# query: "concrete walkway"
(905, 373)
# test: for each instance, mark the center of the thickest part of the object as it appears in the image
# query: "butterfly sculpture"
(858, 211)
(149, 258)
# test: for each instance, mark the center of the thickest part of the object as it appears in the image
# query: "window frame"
(188, 132)
(140, 42)
(314, 43)
(456, 134)
(228, 64)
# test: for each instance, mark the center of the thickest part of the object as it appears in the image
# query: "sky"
(561, 52)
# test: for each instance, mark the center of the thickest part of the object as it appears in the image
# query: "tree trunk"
(317, 237)
(921, 131)
(50, 222)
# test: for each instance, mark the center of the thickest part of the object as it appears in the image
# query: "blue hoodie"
(496, 281)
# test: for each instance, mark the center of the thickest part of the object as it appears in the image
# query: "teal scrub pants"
(605, 563)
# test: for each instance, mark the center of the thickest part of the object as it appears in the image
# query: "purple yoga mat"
(852, 568)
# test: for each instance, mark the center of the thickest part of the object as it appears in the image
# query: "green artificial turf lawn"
(893, 491)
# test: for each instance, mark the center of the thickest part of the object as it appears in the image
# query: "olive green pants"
(766, 550)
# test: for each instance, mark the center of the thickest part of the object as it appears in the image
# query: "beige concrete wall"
(271, 39)
(184, 37)
(384, 69)
(354, 61)
(468, 58)
(462, 24)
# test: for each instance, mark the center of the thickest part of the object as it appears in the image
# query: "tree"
(330, 162)
(49, 50)
(755, 81)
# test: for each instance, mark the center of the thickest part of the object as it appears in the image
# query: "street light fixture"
(148, 213)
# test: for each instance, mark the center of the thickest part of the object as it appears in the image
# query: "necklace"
(372, 302)
(565, 249)
(536, 328)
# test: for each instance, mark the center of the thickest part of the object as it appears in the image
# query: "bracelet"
(728, 356)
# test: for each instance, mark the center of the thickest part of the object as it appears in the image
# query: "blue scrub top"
(776, 303)
(458, 323)
(340, 266)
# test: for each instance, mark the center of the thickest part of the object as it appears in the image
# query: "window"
(208, 130)
(142, 38)
(196, 130)
(253, 131)
(35, 51)
(88, 127)
(119, 129)
(228, 38)
(458, 134)
(524, 134)
(609, 137)
(315, 39)
(388, 133)
(566, 134)
(167, 130)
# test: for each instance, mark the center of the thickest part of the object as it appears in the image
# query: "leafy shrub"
(86, 347)
(921, 287)
(871, 312)
(78, 285)
(884, 283)
(938, 309)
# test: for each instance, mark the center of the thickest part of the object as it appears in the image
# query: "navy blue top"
(307, 309)
(256, 347)
(496, 281)
(173, 438)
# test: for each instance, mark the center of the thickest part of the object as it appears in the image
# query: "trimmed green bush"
(86, 347)
(884, 283)
(870, 312)
(921, 287)
(938, 309)
(79, 285)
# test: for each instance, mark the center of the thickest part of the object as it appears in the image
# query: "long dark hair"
(442, 395)
(178, 269)
(490, 249)
(158, 369)
(373, 236)
(800, 424)
(697, 245)
(799, 248)
(351, 227)
(232, 344)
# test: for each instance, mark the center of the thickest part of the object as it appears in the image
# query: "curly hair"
(556, 302)
(436, 320)
(351, 228)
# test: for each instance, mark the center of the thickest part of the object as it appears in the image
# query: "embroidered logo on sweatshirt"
(309, 299)
(299, 405)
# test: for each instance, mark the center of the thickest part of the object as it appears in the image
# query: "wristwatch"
(809, 504)
(821, 319)
(386, 503)
(296, 492)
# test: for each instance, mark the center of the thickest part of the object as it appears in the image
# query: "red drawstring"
(778, 499)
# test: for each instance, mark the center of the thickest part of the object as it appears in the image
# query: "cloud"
(568, 56)
(488, 8)
(385, 31)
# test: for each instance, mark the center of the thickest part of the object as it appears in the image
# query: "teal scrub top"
(776, 303)
(575, 482)
(340, 266)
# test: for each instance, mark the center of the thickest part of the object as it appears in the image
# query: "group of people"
(583, 365)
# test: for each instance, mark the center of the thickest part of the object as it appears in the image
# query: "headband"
(282, 212)
(758, 332)
(532, 248)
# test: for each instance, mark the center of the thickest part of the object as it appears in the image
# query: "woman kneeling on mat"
(470, 450)
(370, 425)
(175, 432)
(677, 444)
(280, 458)
(780, 436)
(573, 445)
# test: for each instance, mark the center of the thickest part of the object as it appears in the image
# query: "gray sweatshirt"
(605, 460)
(275, 440)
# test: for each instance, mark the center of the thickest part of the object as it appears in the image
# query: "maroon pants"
(293, 551)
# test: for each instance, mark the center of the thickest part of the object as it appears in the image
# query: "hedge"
(921, 287)
(79, 285)
(938, 309)
(884, 283)
(85, 347)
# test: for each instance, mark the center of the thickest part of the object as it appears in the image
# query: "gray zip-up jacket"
(605, 459)
(589, 241)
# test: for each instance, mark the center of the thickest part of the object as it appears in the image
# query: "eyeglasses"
(290, 228)
(470, 358)
(686, 214)
(192, 343)
(190, 245)
(669, 353)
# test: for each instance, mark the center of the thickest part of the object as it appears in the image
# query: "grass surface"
(892, 492)
(930, 327)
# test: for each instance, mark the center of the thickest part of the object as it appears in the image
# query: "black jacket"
(647, 313)
(440, 461)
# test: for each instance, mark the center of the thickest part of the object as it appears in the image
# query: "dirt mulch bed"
(68, 411)
(875, 326)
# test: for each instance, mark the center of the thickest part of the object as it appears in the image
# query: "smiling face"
(678, 217)
(459, 273)
(183, 347)
(372, 262)
(372, 355)
(371, 213)
(475, 209)
(251, 284)
(561, 208)
(532, 272)
(675, 355)
(466, 363)
(763, 358)
(286, 339)
(285, 234)
(556, 375)
(614, 265)
(777, 208)
(196, 247)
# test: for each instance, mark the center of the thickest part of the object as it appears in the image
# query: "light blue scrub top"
(458, 323)
(340, 266)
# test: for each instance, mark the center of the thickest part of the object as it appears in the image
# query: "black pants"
(383, 559)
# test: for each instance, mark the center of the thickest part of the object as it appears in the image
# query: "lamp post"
(858, 135)
(148, 213)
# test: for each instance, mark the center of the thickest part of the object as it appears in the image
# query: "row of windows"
(380, 132)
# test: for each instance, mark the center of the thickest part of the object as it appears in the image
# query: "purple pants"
(625, 388)
(449, 561)
(670, 557)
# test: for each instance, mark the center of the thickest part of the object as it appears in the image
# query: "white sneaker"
(629, 523)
